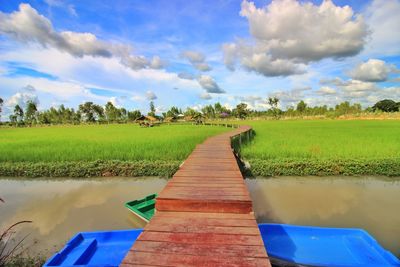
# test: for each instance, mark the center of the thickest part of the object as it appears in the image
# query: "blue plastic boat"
(95, 249)
(291, 245)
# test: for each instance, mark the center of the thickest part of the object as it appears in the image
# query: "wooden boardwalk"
(204, 215)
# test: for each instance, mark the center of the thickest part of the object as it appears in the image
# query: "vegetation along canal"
(60, 208)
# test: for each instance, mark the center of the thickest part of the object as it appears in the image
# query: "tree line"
(90, 112)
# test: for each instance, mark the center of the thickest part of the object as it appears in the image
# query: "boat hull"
(318, 246)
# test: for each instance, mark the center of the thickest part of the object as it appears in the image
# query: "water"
(60, 208)
(370, 203)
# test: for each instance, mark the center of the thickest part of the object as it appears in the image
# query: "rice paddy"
(125, 142)
(324, 139)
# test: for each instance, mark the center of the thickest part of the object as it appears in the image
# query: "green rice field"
(284, 147)
(125, 142)
(324, 139)
(324, 147)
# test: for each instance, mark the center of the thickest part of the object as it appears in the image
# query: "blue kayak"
(317, 246)
(106, 248)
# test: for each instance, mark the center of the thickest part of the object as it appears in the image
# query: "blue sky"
(192, 53)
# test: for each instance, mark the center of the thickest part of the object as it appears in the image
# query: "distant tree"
(301, 107)
(134, 114)
(173, 112)
(1, 105)
(208, 111)
(86, 110)
(386, 105)
(19, 113)
(112, 113)
(31, 112)
(346, 108)
(99, 112)
(241, 111)
(152, 109)
(191, 112)
(273, 103)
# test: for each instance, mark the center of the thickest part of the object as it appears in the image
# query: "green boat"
(144, 208)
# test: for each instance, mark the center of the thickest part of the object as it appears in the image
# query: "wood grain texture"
(204, 215)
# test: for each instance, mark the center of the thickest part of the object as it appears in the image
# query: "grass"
(284, 147)
(124, 142)
(98, 150)
(324, 139)
(303, 147)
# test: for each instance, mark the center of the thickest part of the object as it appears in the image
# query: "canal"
(60, 208)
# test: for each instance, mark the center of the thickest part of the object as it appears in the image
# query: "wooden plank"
(208, 249)
(202, 238)
(182, 221)
(204, 215)
(148, 258)
(204, 206)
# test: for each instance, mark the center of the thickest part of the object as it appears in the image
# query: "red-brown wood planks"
(204, 216)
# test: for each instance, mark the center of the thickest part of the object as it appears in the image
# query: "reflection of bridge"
(204, 215)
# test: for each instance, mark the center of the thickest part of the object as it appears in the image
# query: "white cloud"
(202, 66)
(27, 25)
(374, 70)
(383, 19)
(352, 86)
(57, 3)
(197, 59)
(21, 99)
(186, 76)
(209, 84)
(306, 31)
(326, 90)
(150, 95)
(157, 63)
(264, 64)
(289, 34)
(193, 56)
(205, 96)
(116, 101)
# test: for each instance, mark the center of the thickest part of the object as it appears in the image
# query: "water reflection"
(369, 203)
(61, 208)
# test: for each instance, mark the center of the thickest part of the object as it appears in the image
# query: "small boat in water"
(291, 245)
(107, 248)
(144, 208)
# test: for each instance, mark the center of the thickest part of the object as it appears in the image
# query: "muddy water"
(370, 203)
(60, 208)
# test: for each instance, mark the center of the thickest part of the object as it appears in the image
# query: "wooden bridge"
(204, 216)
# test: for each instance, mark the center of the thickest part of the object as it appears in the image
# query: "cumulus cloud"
(288, 34)
(205, 96)
(383, 18)
(326, 90)
(374, 70)
(197, 59)
(251, 99)
(21, 98)
(157, 63)
(209, 84)
(186, 76)
(27, 25)
(150, 95)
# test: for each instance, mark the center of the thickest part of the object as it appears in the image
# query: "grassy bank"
(98, 150)
(324, 147)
